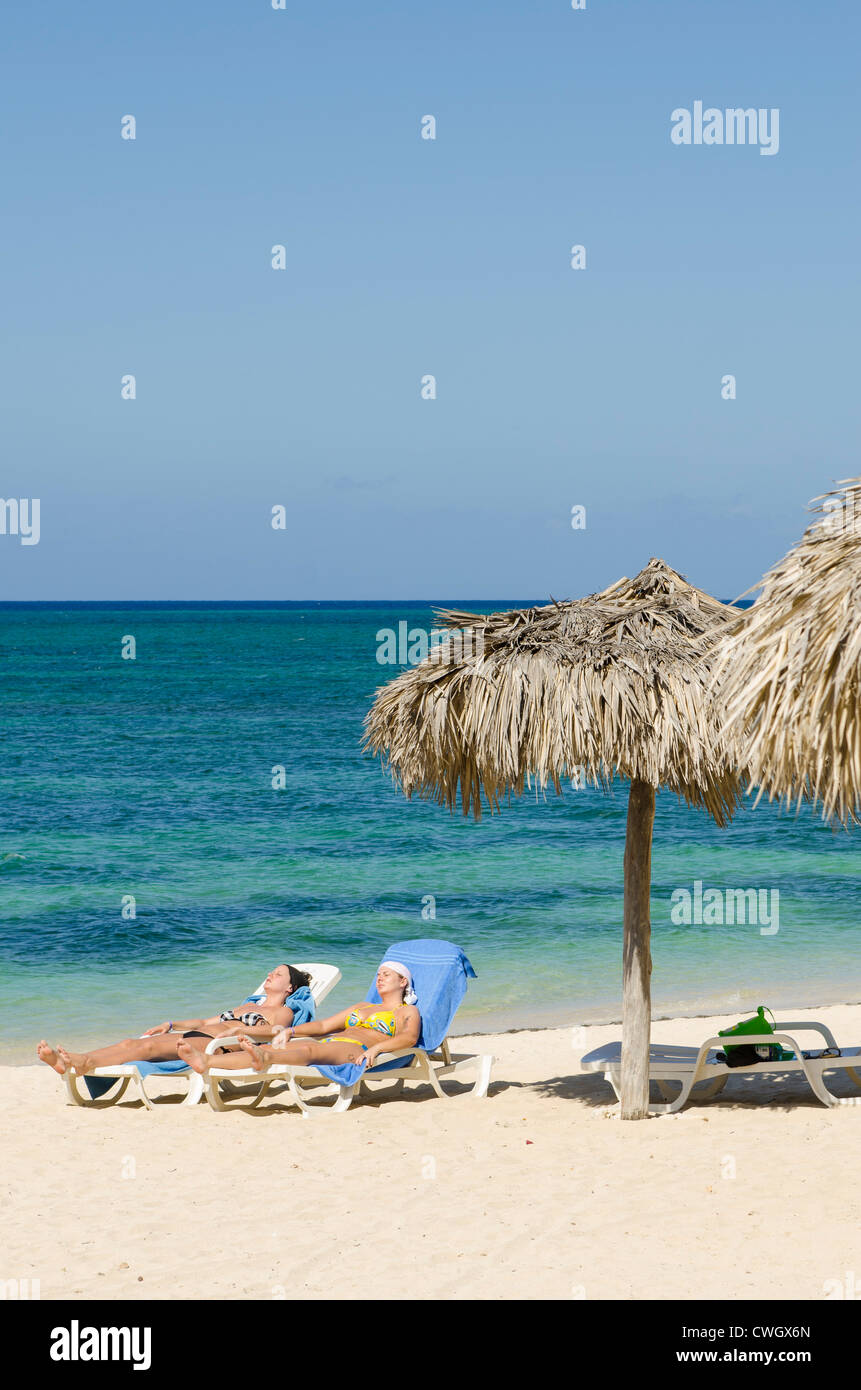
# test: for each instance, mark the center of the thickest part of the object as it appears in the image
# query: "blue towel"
(440, 972)
(301, 1001)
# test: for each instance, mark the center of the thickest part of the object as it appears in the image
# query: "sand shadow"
(744, 1092)
(278, 1101)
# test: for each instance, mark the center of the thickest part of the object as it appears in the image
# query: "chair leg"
(75, 1097)
(713, 1088)
(821, 1091)
(667, 1090)
(212, 1093)
(429, 1073)
(680, 1100)
(195, 1089)
(144, 1097)
(363, 1087)
(485, 1065)
(297, 1096)
(817, 1085)
(261, 1092)
(615, 1081)
(72, 1093)
(345, 1098)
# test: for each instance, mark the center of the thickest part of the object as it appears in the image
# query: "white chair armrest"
(811, 1025)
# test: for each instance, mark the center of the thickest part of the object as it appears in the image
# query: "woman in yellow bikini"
(357, 1036)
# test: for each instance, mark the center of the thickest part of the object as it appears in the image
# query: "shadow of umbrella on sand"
(610, 685)
(790, 674)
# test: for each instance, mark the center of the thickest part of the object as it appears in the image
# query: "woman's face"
(278, 980)
(389, 980)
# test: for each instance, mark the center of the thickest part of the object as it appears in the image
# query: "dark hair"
(298, 978)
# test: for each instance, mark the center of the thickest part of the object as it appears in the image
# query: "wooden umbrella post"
(636, 956)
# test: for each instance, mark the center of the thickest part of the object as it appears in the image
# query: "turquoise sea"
(152, 778)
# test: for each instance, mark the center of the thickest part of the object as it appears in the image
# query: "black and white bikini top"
(251, 1020)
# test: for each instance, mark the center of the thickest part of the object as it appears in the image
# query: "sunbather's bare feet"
(47, 1055)
(78, 1061)
(194, 1058)
(255, 1054)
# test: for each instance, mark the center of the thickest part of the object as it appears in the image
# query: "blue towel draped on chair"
(440, 973)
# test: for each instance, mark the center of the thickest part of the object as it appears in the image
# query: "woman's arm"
(261, 1032)
(282, 1019)
(320, 1026)
(178, 1026)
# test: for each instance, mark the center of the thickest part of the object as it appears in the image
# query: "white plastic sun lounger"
(323, 980)
(440, 973)
(432, 1067)
(687, 1067)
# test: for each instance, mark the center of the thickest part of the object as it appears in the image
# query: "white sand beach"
(532, 1193)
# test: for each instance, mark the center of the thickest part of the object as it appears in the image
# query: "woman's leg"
(162, 1048)
(298, 1054)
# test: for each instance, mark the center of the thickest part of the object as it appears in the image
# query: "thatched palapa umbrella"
(791, 673)
(613, 684)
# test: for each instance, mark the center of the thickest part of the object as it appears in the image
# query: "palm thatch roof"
(613, 683)
(791, 674)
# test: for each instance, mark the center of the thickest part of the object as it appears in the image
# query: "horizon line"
(294, 603)
(265, 602)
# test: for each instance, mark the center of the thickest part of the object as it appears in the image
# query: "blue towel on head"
(440, 971)
(301, 1001)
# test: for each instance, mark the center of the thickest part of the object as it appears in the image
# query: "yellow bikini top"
(381, 1022)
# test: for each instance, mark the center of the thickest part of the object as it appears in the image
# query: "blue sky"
(405, 257)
